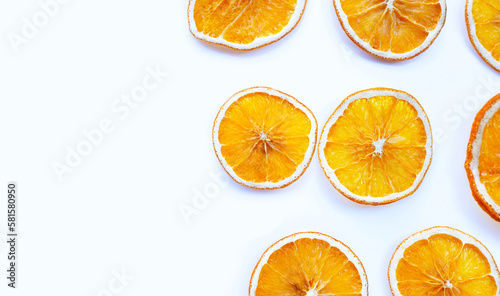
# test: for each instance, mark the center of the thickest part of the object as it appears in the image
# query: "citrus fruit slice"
(483, 25)
(264, 138)
(243, 24)
(392, 29)
(377, 146)
(483, 158)
(309, 264)
(443, 261)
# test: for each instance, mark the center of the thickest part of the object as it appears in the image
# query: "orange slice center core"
(390, 4)
(379, 147)
(448, 285)
(264, 141)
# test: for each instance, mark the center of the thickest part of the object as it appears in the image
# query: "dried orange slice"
(483, 25)
(392, 29)
(309, 264)
(443, 261)
(483, 158)
(243, 24)
(264, 138)
(377, 146)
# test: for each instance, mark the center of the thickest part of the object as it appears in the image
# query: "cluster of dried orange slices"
(440, 261)
(375, 148)
(390, 29)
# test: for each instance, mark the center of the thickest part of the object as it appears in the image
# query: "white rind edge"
(472, 34)
(312, 235)
(425, 234)
(340, 110)
(258, 42)
(389, 55)
(307, 157)
(476, 151)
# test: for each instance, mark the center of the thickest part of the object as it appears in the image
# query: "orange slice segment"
(309, 264)
(483, 158)
(443, 261)
(392, 29)
(243, 24)
(264, 138)
(377, 146)
(483, 25)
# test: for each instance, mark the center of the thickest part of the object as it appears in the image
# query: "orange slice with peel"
(392, 29)
(309, 264)
(264, 138)
(483, 25)
(443, 261)
(243, 24)
(483, 158)
(377, 146)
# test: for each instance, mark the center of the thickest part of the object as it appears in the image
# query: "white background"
(119, 209)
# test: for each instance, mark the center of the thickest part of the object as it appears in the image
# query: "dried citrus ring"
(443, 261)
(483, 25)
(377, 146)
(483, 158)
(264, 138)
(309, 264)
(243, 24)
(392, 29)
